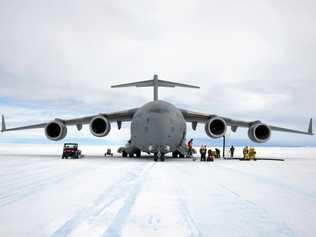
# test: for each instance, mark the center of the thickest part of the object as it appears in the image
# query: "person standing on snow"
(190, 147)
(210, 156)
(218, 153)
(203, 152)
(232, 150)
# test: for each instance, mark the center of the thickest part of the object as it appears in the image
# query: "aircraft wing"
(120, 116)
(195, 117)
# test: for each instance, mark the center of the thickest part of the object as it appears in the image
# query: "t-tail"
(155, 83)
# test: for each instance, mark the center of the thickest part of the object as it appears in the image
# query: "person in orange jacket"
(210, 156)
(190, 147)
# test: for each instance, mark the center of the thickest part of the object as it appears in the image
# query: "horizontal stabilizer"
(155, 83)
(150, 83)
(162, 83)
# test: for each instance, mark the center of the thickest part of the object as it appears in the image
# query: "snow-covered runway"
(95, 196)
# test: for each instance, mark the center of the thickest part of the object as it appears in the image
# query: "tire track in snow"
(183, 207)
(190, 222)
(17, 178)
(128, 184)
(36, 186)
(263, 223)
(271, 182)
(121, 217)
(22, 161)
(256, 216)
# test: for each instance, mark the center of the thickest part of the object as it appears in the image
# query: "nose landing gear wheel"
(159, 156)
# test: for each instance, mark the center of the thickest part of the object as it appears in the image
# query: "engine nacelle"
(55, 130)
(259, 132)
(215, 127)
(100, 126)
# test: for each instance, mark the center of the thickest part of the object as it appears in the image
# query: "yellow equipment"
(250, 153)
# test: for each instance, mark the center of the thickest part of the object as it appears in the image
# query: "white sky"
(253, 59)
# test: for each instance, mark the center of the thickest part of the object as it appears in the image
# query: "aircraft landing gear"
(155, 157)
(138, 153)
(159, 156)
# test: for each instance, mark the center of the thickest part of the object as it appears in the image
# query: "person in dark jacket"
(218, 153)
(203, 153)
(232, 150)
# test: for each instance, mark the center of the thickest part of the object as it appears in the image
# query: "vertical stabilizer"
(155, 83)
(155, 80)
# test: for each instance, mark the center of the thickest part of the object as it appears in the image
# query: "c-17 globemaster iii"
(158, 127)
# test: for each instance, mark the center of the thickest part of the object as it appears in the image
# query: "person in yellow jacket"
(245, 152)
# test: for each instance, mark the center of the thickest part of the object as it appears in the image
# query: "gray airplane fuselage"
(158, 126)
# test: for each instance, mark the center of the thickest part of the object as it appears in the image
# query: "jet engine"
(100, 126)
(259, 133)
(55, 130)
(215, 127)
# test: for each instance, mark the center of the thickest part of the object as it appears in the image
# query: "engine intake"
(259, 133)
(215, 127)
(55, 131)
(100, 126)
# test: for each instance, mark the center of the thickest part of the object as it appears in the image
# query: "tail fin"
(155, 83)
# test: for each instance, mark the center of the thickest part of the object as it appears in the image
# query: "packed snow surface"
(43, 195)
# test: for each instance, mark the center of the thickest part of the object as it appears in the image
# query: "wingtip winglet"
(310, 127)
(3, 127)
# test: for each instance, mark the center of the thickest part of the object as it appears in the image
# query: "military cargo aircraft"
(158, 127)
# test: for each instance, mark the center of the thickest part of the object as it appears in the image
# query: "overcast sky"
(253, 60)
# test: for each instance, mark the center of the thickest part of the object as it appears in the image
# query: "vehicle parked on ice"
(71, 150)
(108, 153)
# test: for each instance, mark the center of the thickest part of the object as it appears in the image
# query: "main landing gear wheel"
(156, 157)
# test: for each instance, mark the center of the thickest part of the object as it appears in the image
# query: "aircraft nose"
(158, 129)
(155, 129)
(161, 129)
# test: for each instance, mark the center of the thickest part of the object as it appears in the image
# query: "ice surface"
(43, 195)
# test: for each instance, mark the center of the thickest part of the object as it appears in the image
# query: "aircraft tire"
(155, 157)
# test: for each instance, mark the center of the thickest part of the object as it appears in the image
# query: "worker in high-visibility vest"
(190, 147)
(245, 152)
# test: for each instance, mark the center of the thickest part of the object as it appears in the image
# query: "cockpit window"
(159, 110)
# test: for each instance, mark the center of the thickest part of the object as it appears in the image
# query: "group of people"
(249, 153)
(208, 154)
